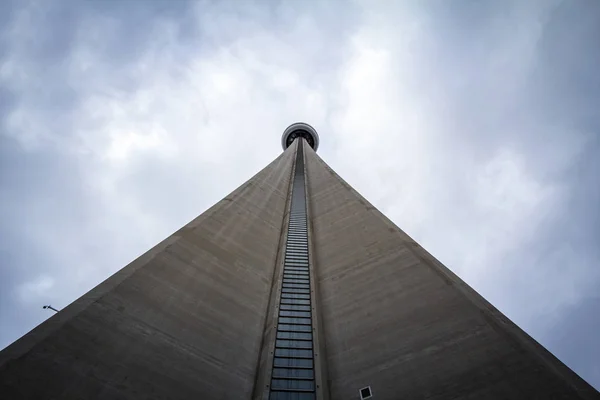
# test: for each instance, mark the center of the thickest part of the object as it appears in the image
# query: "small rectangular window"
(295, 301)
(295, 296)
(304, 284)
(295, 281)
(297, 249)
(297, 246)
(297, 271)
(294, 344)
(299, 278)
(302, 271)
(304, 296)
(294, 257)
(286, 290)
(365, 393)
(296, 285)
(292, 362)
(291, 253)
(298, 256)
(292, 384)
(294, 328)
(296, 262)
(294, 313)
(293, 278)
(290, 320)
(294, 307)
(301, 263)
(298, 274)
(293, 373)
(294, 335)
(294, 353)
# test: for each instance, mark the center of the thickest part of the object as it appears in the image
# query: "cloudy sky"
(474, 125)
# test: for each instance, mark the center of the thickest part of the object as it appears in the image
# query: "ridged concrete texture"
(398, 321)
(184, 321)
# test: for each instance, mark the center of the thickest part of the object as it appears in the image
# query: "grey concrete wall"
(183, 321)
(397, 320)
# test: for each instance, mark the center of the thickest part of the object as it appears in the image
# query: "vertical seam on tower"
(293, 367)
(259, 381)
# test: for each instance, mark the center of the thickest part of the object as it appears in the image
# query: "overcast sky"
(474, 125)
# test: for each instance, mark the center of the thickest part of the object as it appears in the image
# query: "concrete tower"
(293, 287)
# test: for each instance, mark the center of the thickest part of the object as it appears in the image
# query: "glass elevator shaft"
(293, 363)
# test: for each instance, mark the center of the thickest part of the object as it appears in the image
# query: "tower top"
(300, 129)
